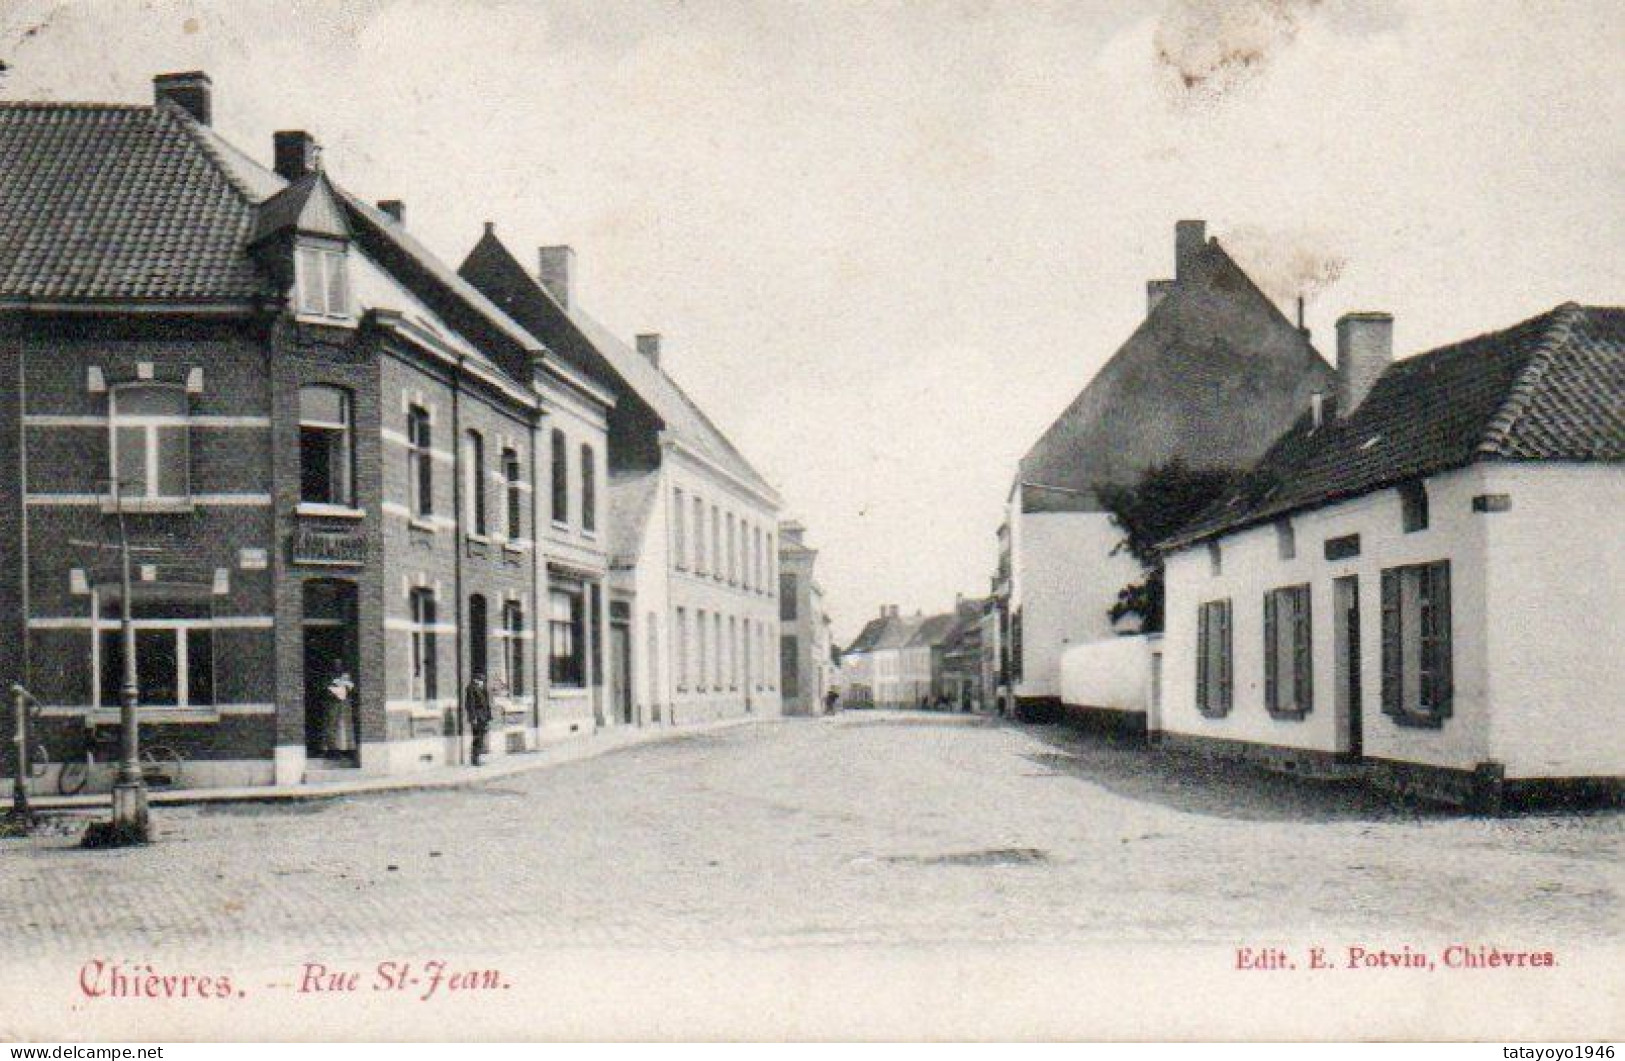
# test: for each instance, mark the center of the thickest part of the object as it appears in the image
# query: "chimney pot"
(295, 154)
(555, 271)
(394, 208)
(1189, 238)
(649, 347)
(192, 92)
(1365, 349)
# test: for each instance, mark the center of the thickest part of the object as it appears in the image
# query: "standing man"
(477, 706)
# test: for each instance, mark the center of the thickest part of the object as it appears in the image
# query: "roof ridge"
(193, 129)
(1556, 335)
(70, 104)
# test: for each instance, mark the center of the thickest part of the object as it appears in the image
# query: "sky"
(886, 243)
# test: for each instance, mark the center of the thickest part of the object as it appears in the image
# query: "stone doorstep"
(566, 750)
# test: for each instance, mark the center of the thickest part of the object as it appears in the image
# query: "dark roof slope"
(1550, 388)
(868, 637)
(1211, 376)
(105, 202)
(493, 269)
(934, 630)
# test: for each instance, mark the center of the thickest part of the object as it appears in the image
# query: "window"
(561, 478)
(1416, 666)
(679, 531)
(419, 461)
(1213, 659)
(761, 561)
(595, 616)
(1288, 666)
(151, 442)
(1413, 506)
(790, 665)
(716, 543)
(566, 638)
(703, 641)
(326, 447)
(730, 653)
(718, 677)
(323, 286)
(787, 597)
(474, 482)
(174, 652)
(1286, 540)
(700, 559)
(514, 478)
(589, 490)
(733, 552)
(425, 665)
(769, 562)
(478, 637)
(513, 647)
(747, 546)
(1215, 559)
(682, 649)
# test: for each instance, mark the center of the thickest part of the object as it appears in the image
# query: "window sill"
(1416, 720)
(148, 505)
(591, 535)
(331, 321)
(561, 526)
(109, 716)
(322, 509)
(419, 524)
(1210, 713)
(516, 547)
(1281, 714)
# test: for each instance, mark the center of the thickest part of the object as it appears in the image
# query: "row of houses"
(1412, 578)
(900, 661)
(338, 457)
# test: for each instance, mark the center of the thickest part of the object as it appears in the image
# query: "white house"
(1211, 376)
(693, 611)
(1422, 581)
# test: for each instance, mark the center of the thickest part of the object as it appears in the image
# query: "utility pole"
(21, 814)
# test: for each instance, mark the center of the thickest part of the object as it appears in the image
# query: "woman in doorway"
(340, 692)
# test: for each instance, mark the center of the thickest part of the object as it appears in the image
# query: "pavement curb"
(556, 754)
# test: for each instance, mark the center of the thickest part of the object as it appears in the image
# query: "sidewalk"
(564, 751)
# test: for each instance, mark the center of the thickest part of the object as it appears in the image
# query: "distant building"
(959, 676)
(1421, 580)
(805, 667)
(1213, 374)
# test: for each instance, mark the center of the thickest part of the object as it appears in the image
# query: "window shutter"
(1224, 658)
(1391, 644)
(1272, 652)
(1204, 647)
(1443, 683)
(1303, 654)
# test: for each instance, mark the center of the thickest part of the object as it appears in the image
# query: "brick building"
(339, 460)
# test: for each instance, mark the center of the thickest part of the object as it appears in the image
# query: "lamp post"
(130, 790)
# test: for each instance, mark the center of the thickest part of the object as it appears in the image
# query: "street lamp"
(130, 822)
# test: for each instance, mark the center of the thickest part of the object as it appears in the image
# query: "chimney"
(1155, 292)
(296, 154)
(192, 92)
(555, 270)
(394, 208)
(1189, 237)
(649, 347)
(1317, 409)
(1365, 347)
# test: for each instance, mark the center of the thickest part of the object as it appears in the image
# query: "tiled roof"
(934, 630)
(105, 202)
(1211, 376)
(1550, 388)
(868, 637)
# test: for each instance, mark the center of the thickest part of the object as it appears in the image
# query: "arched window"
(474, 481)
(513, 478)
(150, 446)
(420, 461)
(326, 446)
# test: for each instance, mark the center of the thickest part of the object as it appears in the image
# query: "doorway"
(332, 685)
(620, 662)
(1346, 622)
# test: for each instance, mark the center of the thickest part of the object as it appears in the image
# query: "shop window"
(566, 630)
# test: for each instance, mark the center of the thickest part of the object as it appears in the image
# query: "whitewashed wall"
(1114, 674)
(1556, 593)
(1066, 580)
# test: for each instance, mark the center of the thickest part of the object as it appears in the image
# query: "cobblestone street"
(860, 829)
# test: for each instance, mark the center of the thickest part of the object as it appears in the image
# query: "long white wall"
(1114, 674)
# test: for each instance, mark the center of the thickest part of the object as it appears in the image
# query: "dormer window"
(321, 279)
(1413, 506)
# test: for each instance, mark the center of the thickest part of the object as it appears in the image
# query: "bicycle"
(162, 766)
